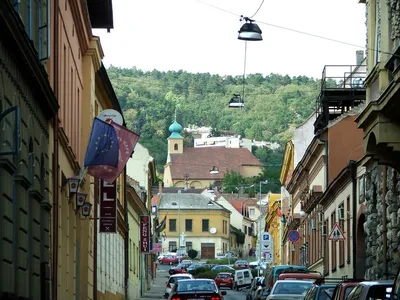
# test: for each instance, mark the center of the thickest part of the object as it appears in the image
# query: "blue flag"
(103, 146)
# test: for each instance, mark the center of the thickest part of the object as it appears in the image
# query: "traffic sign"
(268, 256)
(294, 236)
(266, 236)
(336, 233)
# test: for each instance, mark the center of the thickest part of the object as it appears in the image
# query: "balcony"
(342, 88)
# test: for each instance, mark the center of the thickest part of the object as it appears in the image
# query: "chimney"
(359, 57)
(160, 187)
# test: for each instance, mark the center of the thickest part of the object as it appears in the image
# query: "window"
(188, 225)
(172, 225)
(189, 246)
(252, 212)
(175, 147)
(245, 229)
(172, 246)
(333, 244)
(35, 17)
(205, 225)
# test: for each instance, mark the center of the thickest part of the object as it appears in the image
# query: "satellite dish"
(213, 230)
(109, 115)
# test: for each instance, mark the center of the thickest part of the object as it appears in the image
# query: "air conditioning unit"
(323, 229)
(341, 212)
(313, 224)
(320, 217)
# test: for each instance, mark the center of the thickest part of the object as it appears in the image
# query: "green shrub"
(192, 253)
(224, 261)
(198, 270)
(207, 274)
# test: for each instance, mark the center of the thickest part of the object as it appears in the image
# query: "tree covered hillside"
(274, 104)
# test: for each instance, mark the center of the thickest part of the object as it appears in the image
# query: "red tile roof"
(197, 162)
(240, 203)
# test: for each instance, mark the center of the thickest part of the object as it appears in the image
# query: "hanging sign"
(144, 234)
(108, 207)
(336, 233)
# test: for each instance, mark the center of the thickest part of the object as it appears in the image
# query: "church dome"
(175, 127)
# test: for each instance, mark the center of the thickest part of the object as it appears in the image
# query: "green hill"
(274, 105)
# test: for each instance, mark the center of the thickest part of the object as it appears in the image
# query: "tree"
(192, 253)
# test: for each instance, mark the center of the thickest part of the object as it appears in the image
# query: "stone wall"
(374, 223)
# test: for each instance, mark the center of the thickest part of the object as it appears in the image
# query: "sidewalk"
(157, 288)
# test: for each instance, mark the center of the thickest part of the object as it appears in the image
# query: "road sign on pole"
(336, 233)
(294, 236)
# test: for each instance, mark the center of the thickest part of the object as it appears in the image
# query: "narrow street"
(231, 294)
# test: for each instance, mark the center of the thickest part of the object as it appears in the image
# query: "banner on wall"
(108, 207)
(144, 234)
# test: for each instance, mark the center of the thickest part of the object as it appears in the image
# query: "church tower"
(175, 140)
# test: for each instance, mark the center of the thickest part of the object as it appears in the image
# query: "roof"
(240, 203)
(223, 158)
(187, 201)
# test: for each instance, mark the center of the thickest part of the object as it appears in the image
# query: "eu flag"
(103, 146)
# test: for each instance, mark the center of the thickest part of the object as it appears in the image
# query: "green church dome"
(175, 129)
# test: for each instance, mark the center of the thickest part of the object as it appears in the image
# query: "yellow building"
(200, 168)
(273, 223)
(201, 223)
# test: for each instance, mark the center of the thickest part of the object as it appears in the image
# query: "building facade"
(27, 107)
(380, 124)
(194, 222)
(273, 226)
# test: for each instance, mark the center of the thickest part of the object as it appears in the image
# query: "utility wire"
(305, 33)
(262, 2)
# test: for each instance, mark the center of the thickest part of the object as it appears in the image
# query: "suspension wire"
(262, 2)
(306, 33)
(244, 68)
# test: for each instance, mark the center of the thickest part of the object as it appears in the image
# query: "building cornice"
(82, 23)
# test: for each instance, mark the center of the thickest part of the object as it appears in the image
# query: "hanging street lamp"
(249, 30)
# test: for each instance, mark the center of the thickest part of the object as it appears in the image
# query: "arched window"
(176, 147)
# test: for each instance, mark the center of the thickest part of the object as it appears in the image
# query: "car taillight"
(216, 298)
(175, 298)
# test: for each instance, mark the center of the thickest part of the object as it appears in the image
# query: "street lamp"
(259, 227)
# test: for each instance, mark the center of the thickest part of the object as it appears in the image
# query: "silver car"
(172, 280)
(289, 289)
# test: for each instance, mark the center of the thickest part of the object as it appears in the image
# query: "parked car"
(165, 254)
(225, 279)
(310, 276)
(222, 268)
(180, 268)
(344, 288)
(320, 292)
(243, 278)
(289, 289)
(255, 264)
(380, 289)
(172, 280)
(186, 262)
(196, 288)
(273, 273)
(194, 266)
(169, 260)
(241, 264)
(220, 256)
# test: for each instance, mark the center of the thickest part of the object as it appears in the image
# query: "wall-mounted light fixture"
(81, 206)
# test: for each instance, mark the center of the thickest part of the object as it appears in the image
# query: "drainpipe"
(353, 174)
(97, 183)
(384, 231)
(55, 170)
(325, 141)
(126, 242)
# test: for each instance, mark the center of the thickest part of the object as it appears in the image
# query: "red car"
(242, 264)
(180, 268)
(225, 279)
(169, 260)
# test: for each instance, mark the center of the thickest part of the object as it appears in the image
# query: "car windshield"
(180, 265)
(297, 288)
(325, 291)
(347, 291)
(175, 279)
(223, 276)
(196, 285)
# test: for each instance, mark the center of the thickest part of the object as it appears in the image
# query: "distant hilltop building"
(203, 138)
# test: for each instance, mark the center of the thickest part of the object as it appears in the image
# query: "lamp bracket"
(246, 19)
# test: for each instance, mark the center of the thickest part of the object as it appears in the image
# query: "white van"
(243, 278)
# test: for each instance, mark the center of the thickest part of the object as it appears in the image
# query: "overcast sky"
(195, 37)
